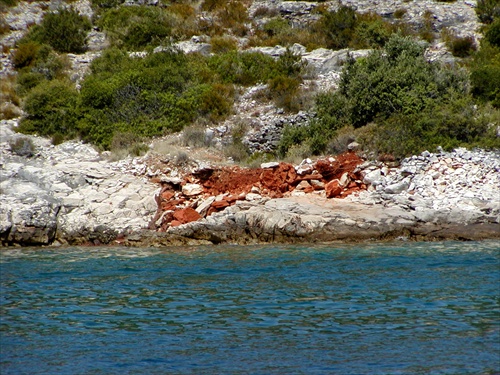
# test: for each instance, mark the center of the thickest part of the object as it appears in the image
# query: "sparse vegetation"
(459, 46)
(9, 107)
(22, 146)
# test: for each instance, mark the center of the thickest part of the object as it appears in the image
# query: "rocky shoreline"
(71, 195)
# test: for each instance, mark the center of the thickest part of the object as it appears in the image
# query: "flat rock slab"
(315, 219)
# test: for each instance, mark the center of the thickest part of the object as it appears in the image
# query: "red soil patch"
(237, 182)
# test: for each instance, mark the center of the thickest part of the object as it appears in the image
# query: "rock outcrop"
(69, 194)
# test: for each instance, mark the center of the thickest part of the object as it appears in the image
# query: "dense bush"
(64, 30)
(148, 96)
(135, 27)
(492, 34)
(51, 109)
(398, 102)
(345, 28)
(485, 74)
(25, 55)
(339, 27)
(36, 64)
(242, 68)
(488, 10)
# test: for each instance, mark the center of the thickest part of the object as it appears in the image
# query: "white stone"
(192, 189)
(272, 164)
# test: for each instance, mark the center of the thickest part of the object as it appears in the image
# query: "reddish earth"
(228, 184)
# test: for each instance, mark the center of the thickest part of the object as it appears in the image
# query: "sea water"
(397, 308)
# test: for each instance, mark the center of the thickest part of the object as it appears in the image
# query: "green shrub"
(283, 90)
(25, 55)
(27, 80)
(459, 46)
(105, 4)
(396, 102)
(485, 74)
(51, 109)
(339, 27)
(426, 31)
(133, 28)
(492, 34)
(291, 64)
(242, 68)
(223, 44)
(64, 30)
(5, 4)
(345, 28)
(400, 13)
(488, 10)
(276, 26)
(371, 31)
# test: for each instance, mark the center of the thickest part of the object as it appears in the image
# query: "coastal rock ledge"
(70, 195)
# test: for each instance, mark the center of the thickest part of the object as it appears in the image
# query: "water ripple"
(372, 309)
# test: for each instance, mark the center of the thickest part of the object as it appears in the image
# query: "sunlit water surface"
(401, 308)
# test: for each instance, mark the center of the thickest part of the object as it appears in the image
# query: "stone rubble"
(460, 181)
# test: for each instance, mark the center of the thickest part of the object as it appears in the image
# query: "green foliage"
(492, 34)
(105, 4)
(485, 74)
(4, 4)
(223, 44)
(459, 46)
(398, 102)
(125, 95)
(276, 26)
(64, 30)
(488, 10)
(339, 27)
(52, 109)
(242, 68)
(345, 28)
(135, 27)
(25, 55)
(36, 64)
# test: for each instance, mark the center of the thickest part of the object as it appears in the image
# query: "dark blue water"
(403, 308)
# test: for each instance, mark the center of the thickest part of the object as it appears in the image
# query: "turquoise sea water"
(400, 308)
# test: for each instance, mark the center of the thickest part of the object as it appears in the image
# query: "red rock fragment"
(175, 223)
(167, 195)
(218, 205)
(186, 215)
(333, 189)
